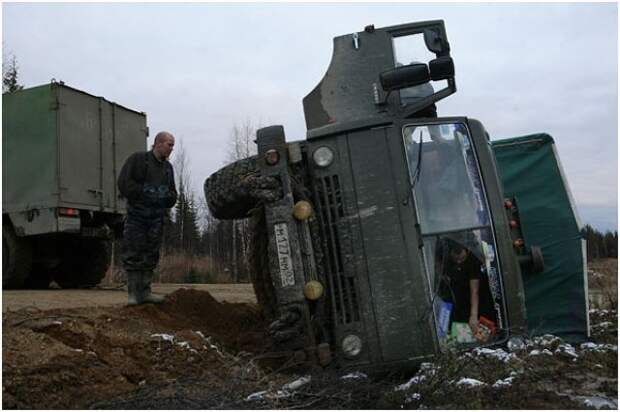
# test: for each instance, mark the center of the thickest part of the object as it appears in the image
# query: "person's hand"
(473, 324)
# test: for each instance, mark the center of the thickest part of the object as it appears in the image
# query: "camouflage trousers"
(142, 240)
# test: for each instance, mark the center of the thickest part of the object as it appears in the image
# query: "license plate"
(285, 261)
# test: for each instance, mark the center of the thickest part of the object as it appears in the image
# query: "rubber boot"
(134, 288)
(147, 296)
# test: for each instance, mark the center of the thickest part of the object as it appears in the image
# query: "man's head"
(456, 251)
(162, 147)
(459, 255)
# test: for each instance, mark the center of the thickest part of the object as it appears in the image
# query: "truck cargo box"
(557, 298)
(62, 147)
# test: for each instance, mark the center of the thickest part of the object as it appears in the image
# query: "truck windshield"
(459, 247)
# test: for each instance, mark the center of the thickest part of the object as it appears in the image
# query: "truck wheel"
(233, 191)
(16, 258)
(39, 278)
(84, 263)
(259, 264)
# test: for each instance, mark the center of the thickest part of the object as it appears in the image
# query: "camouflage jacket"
(147, 183)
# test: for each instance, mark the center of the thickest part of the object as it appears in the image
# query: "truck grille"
(340, 282)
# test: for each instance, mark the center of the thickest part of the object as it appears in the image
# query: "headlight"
(351, 346)
(516, 343)
(323, 156)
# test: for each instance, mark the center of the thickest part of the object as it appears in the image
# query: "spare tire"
(84, 262)
(16, 258)
(233, 191)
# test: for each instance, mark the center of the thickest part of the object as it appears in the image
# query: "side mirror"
(405, 76)
(441, 68)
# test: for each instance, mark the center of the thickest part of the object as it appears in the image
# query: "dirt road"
(57, 298)
(208, 347)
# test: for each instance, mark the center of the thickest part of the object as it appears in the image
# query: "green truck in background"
(61, 152)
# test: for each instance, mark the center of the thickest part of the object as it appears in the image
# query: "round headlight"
(516, 343)
(323, 156)
(351, 345)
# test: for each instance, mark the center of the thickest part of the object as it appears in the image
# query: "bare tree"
(228, 241)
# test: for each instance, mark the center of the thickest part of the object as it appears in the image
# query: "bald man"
(147, 182)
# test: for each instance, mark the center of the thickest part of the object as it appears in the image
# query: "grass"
(182, 268)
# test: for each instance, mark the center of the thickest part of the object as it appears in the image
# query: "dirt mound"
(72, 358)
(237, 326)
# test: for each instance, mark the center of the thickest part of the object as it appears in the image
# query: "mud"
(197, 352)
(72, 358)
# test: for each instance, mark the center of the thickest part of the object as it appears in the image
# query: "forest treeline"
(601, 245)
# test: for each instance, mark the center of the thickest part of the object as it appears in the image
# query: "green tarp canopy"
(556, 299)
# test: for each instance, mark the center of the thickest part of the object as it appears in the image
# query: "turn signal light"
(302, 210)
(313, 290)
(65, 211)
(518, 243)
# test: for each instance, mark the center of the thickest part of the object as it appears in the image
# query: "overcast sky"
(199, 69)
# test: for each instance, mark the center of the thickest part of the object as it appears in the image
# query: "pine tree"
(10, 82)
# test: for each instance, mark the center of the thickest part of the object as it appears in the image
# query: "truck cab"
(379, 208)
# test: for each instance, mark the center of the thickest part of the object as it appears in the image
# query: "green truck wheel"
(16, 259)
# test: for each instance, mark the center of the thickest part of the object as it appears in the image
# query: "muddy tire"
(233, 191)
(84, 262)
(260, 274)
(16, 258)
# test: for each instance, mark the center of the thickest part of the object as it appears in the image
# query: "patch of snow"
(163, 336)
(413, 381)
(56, 322)
(498, 354)
(598, 402)
(296, 384)
(502, 383)
(78, 350)
(184, 345)
(426, 369)
(413, 397)
(199, 333)
(256, 396)
(537, 352)
(355, 375)
(566, 349)
(594, 347)
(603, 325)
(546, 340)
(469, 382)
(213, 346)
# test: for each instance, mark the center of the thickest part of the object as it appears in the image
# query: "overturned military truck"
(358, 230)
